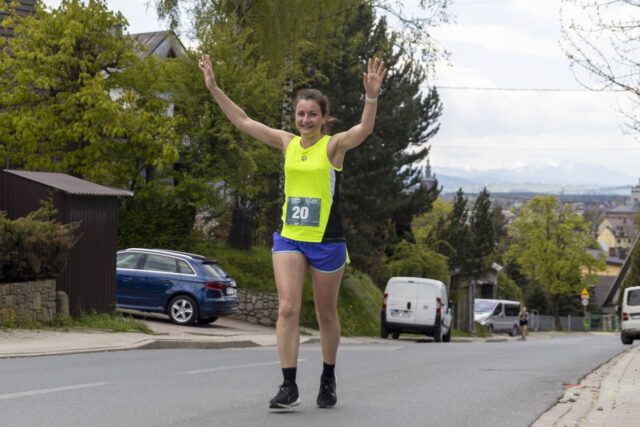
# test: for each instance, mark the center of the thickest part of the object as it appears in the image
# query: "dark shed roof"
(69, 184)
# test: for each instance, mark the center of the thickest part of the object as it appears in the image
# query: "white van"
(416, 305)
(497, 315)
(630, 315)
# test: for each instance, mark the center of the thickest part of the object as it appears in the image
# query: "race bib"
(303, 211)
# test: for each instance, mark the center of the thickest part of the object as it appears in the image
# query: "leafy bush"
(34, 247)
(416, 260)
(155, 219)
(358, 304)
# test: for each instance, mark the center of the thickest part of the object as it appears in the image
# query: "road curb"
(147, 344)
(582, 403)
(191, 344)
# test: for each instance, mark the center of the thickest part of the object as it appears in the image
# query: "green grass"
(358, 305)
(114, 322)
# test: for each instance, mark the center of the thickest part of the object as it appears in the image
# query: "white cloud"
(542, 10)
(499, 38)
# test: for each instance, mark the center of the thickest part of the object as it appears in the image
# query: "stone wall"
(28, 302)
(257, 307)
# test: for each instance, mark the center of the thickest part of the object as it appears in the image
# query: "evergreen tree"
(454, 236)
(380, 192)
(482, 250)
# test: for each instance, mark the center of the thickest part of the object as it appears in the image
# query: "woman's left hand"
(372, 79)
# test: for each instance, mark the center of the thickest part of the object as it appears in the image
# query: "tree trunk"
(242, 225)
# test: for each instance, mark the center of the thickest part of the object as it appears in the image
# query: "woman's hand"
(372, 79)
(207, 72)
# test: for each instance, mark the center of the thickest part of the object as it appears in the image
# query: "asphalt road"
(402, 383)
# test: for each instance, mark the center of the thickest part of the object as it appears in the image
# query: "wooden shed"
(90, 277)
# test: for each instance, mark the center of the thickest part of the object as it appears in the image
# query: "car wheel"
(491, 329)
(395, 335)
(514, 331)
(207, 320)
(384, 332)
(626, 339)
(183, 310)
(447, 337)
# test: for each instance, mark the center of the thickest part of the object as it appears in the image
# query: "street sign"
(584, 294)
(585, 301)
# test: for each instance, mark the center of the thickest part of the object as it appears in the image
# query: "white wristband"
(370, 100)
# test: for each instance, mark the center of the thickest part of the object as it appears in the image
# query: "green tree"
(481, 227)
(76, 98)
(551, 244)
(238, 175)
(454, 238)
(326, 48)
(424, 226)
(414, 260)
(508, 289)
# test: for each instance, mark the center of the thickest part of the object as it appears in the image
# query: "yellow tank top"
(311, 188)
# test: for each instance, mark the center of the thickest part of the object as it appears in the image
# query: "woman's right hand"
(206, 67)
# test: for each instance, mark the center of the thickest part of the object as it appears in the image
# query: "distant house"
(162, 44)
(508, 216)
(606, 278)
(24, 8)
(617, 231)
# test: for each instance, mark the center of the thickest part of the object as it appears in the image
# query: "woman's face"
(309, 118)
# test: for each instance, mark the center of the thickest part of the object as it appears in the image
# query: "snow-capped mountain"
(570, 177)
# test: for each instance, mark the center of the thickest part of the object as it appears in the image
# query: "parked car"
(630, 315)
(189, 288)
(497, 315)
(416, 305)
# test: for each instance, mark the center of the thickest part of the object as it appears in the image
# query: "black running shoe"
(286, 398)
(327, 394)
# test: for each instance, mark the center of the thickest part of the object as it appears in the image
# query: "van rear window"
(633, 297)
(512, 309)
(484, 306)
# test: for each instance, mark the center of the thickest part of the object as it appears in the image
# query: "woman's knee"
(327, 317)
(287, 311)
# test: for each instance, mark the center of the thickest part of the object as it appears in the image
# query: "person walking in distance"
(311, 236)
(524, 322)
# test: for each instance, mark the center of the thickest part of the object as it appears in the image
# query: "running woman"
(311, 236)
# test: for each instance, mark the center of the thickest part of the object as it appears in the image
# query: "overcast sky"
(504, 44)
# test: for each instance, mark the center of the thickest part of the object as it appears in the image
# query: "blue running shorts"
(323, 257)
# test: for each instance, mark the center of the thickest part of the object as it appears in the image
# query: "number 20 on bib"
(303, 211)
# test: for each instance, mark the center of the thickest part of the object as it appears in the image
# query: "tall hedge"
(34, 247)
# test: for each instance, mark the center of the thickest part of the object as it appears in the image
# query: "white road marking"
(227, 368)
(29, 393)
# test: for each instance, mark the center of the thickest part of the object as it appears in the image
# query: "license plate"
(635, 316)
(231, 292)
(400, 313)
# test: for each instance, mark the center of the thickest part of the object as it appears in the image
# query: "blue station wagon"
(189, 288)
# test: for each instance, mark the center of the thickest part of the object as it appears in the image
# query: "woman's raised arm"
(274, 137)
(344, 141)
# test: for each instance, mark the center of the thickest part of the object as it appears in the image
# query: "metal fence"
(592, 322)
